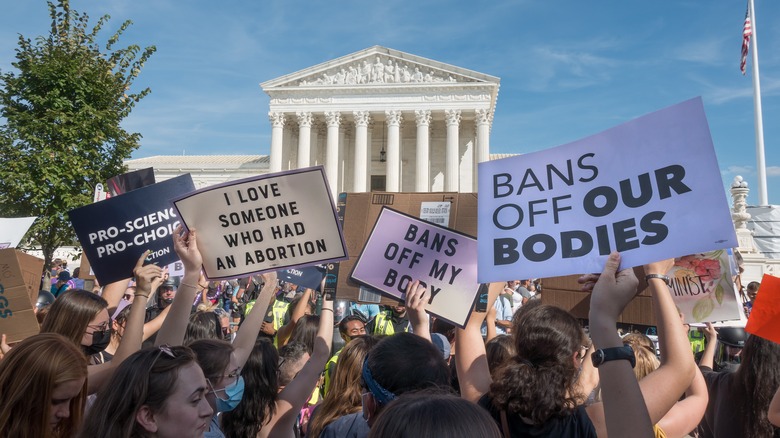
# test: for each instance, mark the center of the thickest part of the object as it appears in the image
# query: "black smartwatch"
(615, 353)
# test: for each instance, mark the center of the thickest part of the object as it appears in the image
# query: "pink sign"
(402, 249)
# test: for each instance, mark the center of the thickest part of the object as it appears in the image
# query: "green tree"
(62, 111)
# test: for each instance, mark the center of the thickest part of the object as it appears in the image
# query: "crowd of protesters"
(162, 356)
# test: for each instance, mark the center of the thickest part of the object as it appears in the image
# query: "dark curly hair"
(538, 382)
(258, 405)
(757, 380)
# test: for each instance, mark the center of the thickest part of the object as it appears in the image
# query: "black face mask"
(100, 340)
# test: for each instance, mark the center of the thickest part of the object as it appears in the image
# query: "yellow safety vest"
(279, 310)
(696, 338)
(383, 324)
(329, 370)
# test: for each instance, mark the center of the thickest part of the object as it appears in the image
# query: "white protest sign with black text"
(650, 189)
(270, 222)
(402, 249)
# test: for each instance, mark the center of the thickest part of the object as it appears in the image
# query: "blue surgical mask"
(234, 395)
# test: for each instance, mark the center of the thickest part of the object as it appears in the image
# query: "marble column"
(277, 133)
(369, 165)
(332, 119)
(452, 119)
(393, 150)
(315, 143)
(361, 151)
(343, 157)
(483, 135)
(304, 139)
(422, 180)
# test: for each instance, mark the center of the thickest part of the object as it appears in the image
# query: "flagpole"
(763, 198)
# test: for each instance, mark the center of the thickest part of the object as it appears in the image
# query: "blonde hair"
(344, 395)
(71, 313)
(29, 373)
(644, 351)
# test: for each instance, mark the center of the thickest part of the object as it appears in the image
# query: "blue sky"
(568, 69)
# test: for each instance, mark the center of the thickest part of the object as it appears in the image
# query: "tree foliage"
(62, 111)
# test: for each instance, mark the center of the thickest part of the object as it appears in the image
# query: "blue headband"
(381, 395)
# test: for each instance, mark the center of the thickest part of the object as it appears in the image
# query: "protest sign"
(269, 222)
(402, 248)
(309, 277)
(764, 320)
(127, 182)
(115, 232)
(20, 279)
(176, 269)
(650, 189)
(12, 230)
(702, 287)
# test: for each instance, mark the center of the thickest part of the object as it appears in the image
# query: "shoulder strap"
(505, 424)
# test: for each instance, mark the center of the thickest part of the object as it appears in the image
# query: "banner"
(127, 182)
(309, 277)
(269, 222)
(650, 189)
(12, 230)
(764, 320)
(115, 232)
(702, 287)
(402, 248)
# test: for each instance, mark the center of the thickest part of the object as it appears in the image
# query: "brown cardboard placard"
(564, 292)
(85, 269)
(20, 278)
(360, 210)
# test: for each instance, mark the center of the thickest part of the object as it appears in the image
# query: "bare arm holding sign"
(175, 325)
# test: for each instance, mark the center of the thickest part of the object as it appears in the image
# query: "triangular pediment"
(378, 66)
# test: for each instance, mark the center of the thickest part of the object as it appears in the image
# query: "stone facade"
(380, 119)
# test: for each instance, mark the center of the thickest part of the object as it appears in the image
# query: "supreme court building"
(380, 119)
(377, 119)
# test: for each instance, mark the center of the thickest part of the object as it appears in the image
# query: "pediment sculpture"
(381, 72)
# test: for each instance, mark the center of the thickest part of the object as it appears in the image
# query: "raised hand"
(186, 245)
(146, 276)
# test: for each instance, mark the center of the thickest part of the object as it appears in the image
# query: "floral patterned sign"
(703, 289)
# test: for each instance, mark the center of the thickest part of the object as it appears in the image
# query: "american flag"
(747, 32)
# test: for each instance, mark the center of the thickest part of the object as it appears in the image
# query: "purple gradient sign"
(649, 188)
(402, 248)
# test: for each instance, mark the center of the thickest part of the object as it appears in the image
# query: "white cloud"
(705, 51)
(738, 170)
(773, 171)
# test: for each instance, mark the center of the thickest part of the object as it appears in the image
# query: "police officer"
(390, 321)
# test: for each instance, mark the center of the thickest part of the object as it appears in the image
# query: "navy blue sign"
(115, 232)
(309, 277)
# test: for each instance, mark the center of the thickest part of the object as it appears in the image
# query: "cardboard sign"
(270, 222)
(12, 230)
(702, 287)
(650, 189)
(309, 277)
(115, 232)
(764, 320)
(20, 279)
(402, 249)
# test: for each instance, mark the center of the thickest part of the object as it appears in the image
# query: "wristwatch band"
(615, 353)
(664, 278)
